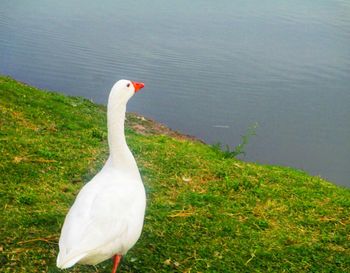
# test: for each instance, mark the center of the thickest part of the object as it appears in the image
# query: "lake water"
(211, 68)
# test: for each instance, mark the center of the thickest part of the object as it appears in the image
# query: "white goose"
(106, 218)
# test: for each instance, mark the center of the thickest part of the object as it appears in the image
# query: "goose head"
(123, 90)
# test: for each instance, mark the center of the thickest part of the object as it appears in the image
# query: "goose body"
(107, 216)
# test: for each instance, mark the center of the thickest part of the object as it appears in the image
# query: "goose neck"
(120, 155)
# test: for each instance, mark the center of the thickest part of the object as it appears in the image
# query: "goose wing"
(102, 213)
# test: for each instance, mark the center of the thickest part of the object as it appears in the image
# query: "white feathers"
(107, 216)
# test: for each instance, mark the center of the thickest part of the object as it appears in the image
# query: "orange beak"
(138, 85)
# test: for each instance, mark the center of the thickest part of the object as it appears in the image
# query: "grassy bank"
(205, 213)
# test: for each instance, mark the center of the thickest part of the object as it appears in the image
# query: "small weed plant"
(240, 148)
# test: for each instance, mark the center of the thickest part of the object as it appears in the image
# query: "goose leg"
(116, 260)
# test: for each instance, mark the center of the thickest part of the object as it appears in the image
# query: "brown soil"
(147, 126)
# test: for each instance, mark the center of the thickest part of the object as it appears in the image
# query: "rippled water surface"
(211, 68)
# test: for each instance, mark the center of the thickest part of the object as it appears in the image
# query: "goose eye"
(128, 85)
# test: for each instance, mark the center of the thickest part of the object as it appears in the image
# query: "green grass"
(205, 212)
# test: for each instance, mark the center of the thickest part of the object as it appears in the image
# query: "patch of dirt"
(147, 126)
